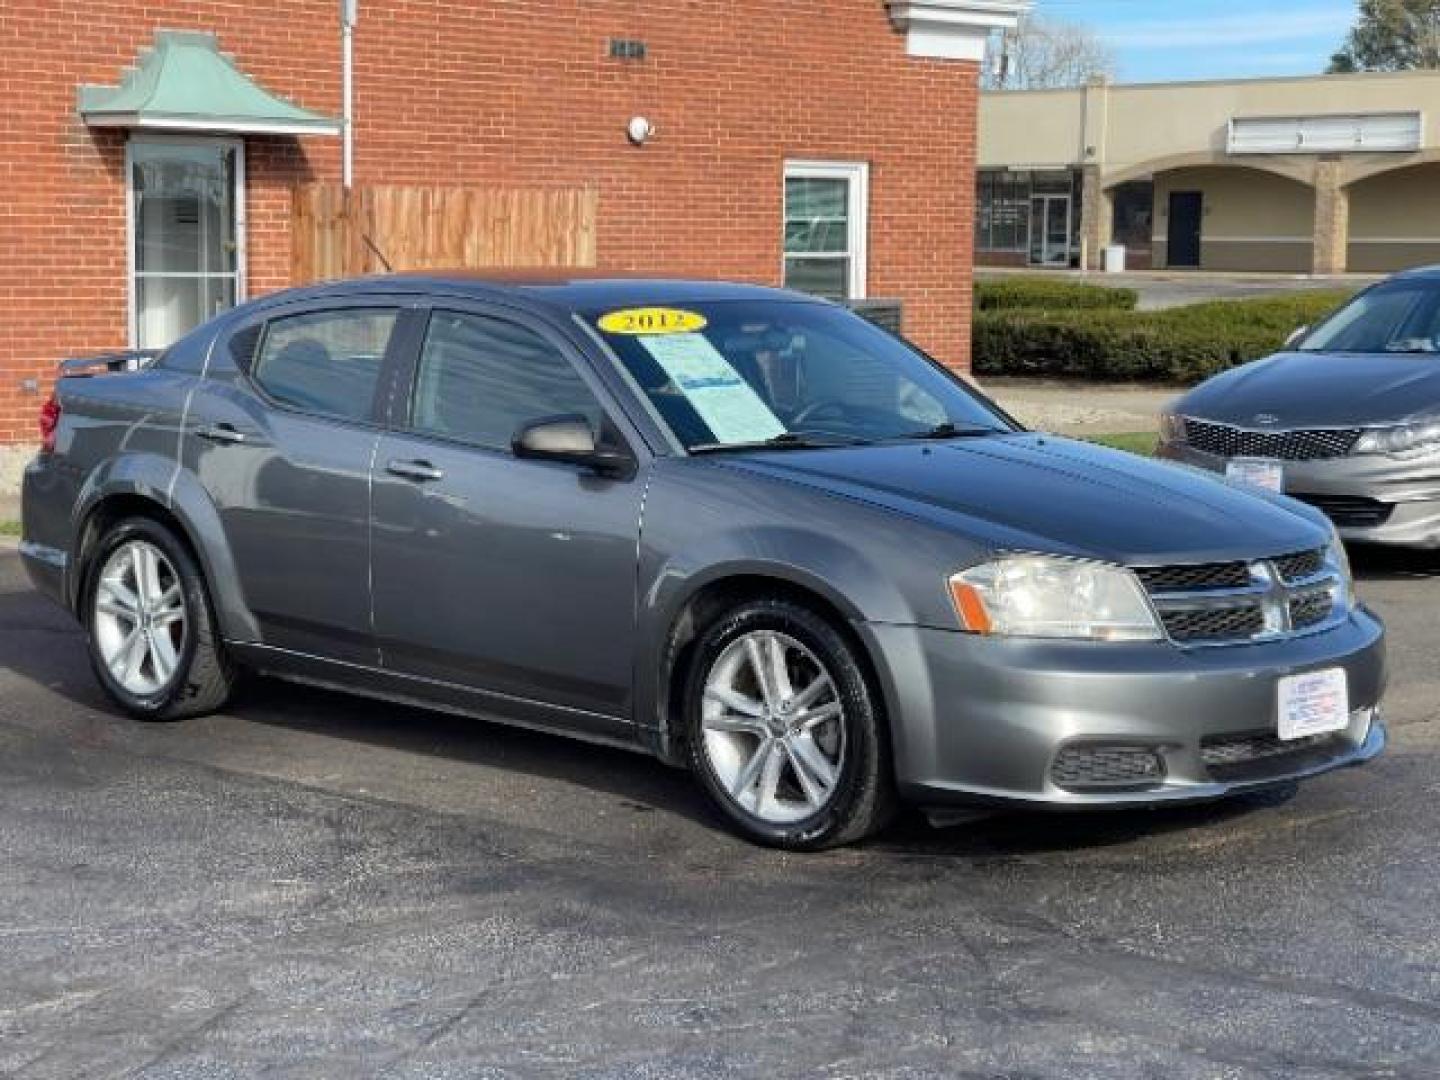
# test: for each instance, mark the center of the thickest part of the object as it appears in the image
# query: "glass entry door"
(1050, 230)
(186, 201)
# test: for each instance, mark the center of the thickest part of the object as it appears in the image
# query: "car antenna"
(378, 253)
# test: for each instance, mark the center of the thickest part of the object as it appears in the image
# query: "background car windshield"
(1401, 317)
(751, 371)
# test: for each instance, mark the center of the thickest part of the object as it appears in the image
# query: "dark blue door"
(1186, 209)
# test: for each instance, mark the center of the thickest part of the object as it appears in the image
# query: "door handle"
(420, 471)
(220, 433)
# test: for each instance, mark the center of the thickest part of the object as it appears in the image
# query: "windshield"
(731, 374)
(1400, 317)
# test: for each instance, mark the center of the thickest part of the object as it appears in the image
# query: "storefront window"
(1002, 211)
(1134, 214)
(187, 231)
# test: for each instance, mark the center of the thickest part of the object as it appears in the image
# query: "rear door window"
(326, 362)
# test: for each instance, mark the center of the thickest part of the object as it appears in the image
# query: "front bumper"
(1373, 498)
(987, 720)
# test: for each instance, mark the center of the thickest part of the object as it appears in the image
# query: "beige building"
(1323, 174)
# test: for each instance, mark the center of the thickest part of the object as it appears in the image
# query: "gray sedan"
(740, 529)
(1346, 419)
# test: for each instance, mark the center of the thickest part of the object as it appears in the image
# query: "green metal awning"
(185, 83)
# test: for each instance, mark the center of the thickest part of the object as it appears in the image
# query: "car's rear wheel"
(784, 729)
(151, 631)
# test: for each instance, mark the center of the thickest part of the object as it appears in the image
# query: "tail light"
(49, 424)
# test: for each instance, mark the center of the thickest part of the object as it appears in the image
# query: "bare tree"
(1043, 54)
(1392, 35)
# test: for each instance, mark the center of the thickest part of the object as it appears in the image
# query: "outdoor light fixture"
(639, 130)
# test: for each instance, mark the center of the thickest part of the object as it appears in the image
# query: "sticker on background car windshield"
(1263, 473)
(728, 404)
(652, 321)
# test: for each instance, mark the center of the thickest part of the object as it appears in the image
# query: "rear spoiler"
(82, 367)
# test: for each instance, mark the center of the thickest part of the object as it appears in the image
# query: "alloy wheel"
(773, 727)
(140, 618)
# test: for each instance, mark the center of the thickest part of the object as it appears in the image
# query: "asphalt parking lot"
(315, 886)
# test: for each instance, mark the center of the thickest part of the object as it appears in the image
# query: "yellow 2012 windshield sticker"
(652, 321)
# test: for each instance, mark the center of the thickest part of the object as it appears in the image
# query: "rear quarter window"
(325, 362)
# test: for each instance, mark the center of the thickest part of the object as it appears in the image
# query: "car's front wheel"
(151, 633)
(784, 730)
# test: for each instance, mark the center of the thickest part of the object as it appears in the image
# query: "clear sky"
(1159, 40)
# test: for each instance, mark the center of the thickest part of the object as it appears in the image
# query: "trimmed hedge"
(1051, 294)
(1181, 345)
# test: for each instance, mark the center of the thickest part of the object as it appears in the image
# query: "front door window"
(187, 231)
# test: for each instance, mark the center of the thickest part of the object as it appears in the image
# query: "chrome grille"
(1311, 607)
(1235, 575)
(1296, 567)
(1236, 602)
(1225, 441)
(1214, 624)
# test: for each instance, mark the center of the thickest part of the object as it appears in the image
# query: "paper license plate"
(1316, 703)
(1257, 472)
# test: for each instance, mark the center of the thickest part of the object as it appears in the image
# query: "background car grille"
(1224, 603)
(1225, 441)
(1080, 767)
(1350, 511)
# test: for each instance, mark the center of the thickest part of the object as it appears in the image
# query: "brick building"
(153, 149)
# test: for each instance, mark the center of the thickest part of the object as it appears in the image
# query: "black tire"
(205, 676)
(863, 801)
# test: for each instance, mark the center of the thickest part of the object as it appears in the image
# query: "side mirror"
(1296, 336)
(569, 439)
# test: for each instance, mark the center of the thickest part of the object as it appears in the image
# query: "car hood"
(1320, 390)
(1043, 493)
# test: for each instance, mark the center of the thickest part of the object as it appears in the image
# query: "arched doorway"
(1395, 220)
(1233, 218)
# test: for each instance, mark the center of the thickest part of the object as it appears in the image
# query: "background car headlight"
(1401, 440)
(1172, 428)
(1048, 597)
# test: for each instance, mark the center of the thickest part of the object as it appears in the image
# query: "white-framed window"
(826, 225)
(186, 222)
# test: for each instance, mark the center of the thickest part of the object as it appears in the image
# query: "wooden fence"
(434, 228)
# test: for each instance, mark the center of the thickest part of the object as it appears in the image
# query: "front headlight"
(1172, 429)
(1401, 441)
(1339, 560)
(1045, 596)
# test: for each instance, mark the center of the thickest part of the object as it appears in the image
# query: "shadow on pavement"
(1009, 836)
(641, 780)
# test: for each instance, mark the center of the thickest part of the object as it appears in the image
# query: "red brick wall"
(520, 92)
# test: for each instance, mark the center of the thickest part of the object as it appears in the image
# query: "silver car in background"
(1346, 419)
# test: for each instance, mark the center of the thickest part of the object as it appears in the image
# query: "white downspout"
(349, 12)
